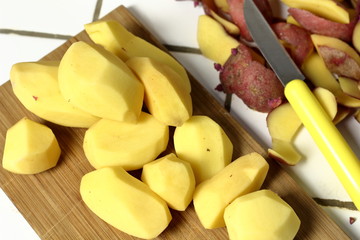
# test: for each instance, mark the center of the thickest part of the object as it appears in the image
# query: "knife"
(329, 140)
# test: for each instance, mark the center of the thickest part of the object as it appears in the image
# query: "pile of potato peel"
(323, 39)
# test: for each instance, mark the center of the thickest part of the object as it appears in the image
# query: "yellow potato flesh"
(172, 179)
(214, 42)
(211, 197)
(117, 39)
(323, 8)
(36, 86)
(261, 215)
(165, 97)
(204, 144)
(30, 148)
(125, 202)
(111, 143)
(98, 82)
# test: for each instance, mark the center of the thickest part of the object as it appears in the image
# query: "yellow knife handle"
(331, 143)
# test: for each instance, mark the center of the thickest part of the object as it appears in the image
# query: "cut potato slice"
(110, 143)
(30, 148)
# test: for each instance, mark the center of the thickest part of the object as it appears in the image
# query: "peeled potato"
(30, 148)
(110, 143)
(36, 86)
(261, 215)
(99, 83)
(166, 97)
(172, 179)
(211, 197)
(204, 144)
(125, 202)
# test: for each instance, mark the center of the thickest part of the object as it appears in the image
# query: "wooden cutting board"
(51, 203)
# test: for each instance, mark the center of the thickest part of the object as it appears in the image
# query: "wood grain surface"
(51, 203)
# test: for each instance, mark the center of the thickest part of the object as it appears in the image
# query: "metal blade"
(269, 45)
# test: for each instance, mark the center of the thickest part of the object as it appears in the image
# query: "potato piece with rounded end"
(261, 215)
(99, 83)
(117, 39)
(125, 202)
(165, 97)
(36, 86)
(30, 148)
(316, 71)
(214, 42)
(172, 179)
(338, 56)
(328, 9)
(110, 143)
(204, 144)
(211, 197)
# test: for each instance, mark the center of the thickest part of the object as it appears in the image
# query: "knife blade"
(327, 137)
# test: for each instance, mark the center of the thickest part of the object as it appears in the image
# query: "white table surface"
(31, 29)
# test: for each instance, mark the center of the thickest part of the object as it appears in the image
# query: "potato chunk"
(125, 202)
(261, 215)
(211, 197)
(30, 148)
(36, 86)
(172, 179)
(117, 39)
(110, 143)
(98, 82)
(204, 144)
(165, 96)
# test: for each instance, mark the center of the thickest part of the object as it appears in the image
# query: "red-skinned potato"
(323, 26)
(251, 81)
(297, 40)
